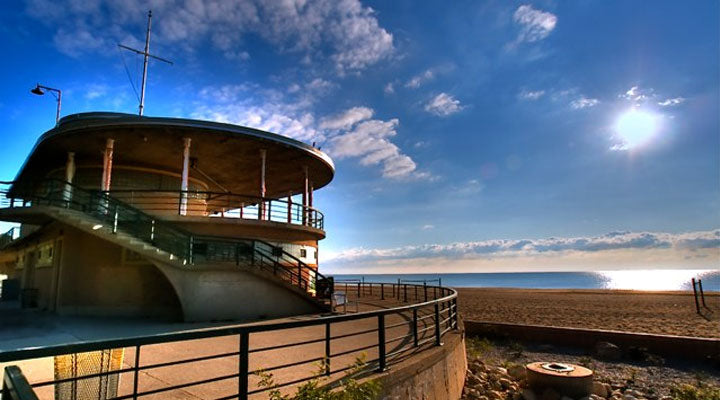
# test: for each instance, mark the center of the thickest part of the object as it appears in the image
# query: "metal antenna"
(145, 55)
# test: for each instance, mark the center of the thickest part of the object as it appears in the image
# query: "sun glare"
(636, 127)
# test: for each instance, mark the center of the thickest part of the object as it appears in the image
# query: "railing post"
(415, 286)
(359, 294)
(405, 292)
(299, 272)
(415, 327)
(327, 349)
(455, 314)
(702, 294)
(152, 231)
(437, 324)
(382, 362)
(136, 370)
(425, 290)
(243, 366)
(382, 291)
(190, 249)
(695, 294)
(115, 220)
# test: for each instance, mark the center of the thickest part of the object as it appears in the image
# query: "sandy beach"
(670, 313)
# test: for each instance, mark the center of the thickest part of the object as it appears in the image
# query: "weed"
(695, 392)
(477, 347)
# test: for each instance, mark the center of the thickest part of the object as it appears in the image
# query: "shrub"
(692, 392)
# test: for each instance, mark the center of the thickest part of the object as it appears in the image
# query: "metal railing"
(221, 205)
(117, 216)
(389, 335)
(8, 237)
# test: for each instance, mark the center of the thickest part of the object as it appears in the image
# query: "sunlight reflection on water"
(652, 279)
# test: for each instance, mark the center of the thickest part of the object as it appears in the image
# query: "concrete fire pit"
(567, 379)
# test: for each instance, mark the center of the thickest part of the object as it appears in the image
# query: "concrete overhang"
(229, 154)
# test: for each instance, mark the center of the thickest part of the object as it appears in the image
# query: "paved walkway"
(48, 329)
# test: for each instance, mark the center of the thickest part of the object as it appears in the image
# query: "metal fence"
(287, 348)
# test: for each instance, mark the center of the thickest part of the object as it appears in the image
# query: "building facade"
(166, 217)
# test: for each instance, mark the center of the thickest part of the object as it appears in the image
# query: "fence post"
(702, 294)
(415, 327)
(327, 348)
(405, 292)
(381, 344)
(243, 366)
(425, 290)
(382, 291)
(695, 294)
(359, 294)
(136, 371)
(437, 325)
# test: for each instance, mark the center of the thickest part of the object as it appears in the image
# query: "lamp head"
(38, 91)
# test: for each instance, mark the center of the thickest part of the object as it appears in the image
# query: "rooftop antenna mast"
(146, 54)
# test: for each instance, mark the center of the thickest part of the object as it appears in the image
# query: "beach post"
(702, 293)
(382, 291)
(695, 294)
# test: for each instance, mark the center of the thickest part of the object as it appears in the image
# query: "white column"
(261, 204)
(107, 164)
(305, 196)
(69, 176)
(185, 176)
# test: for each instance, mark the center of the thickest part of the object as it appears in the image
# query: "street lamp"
(40, 90)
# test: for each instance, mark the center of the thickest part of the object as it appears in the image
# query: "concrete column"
(305, 196)
(261, 204)
(107, 164)
(69, 176)
(185, 175)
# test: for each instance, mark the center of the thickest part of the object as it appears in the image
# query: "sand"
(670, 313)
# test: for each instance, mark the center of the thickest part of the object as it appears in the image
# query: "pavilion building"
(167, 217)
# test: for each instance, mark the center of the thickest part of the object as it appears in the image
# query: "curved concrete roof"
(229, 154)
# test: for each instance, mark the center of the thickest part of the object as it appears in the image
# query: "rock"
(608, 351)
(550, 394)
(505, 383)
(501, 371)
(628, 397)
(599, 389)
(608, 388)
(517, 372)
(528, 394)
(596, 397)
(495, 395)
(635, 393)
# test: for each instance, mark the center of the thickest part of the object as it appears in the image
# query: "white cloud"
(531, 95)
(443, 105)
(693, 241)
(637, 95)
(343, 31)
(347, 119)
(358, 136)
(389, 88)
(535, 24)
(428, 227)
(583, 102)
(417, 80)
(672, 102)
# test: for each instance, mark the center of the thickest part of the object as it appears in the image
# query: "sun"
(636, 127)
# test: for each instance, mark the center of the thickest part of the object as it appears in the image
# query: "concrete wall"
(435, 374)
(234, 294)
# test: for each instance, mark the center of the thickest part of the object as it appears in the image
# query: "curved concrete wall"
(434, 374)
(223, 294)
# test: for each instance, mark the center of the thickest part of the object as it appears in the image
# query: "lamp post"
(40, 90)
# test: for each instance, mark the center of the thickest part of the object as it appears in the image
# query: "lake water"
(663, 279)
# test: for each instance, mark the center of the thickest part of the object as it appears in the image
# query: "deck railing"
(390, 335)
(115, 215)
(221, 205)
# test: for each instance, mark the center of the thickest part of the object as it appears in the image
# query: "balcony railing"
(117, 216)
(221, 205)
(409, 325)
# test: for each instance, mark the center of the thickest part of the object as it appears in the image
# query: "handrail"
(120, 216)
(442, 309)
(221, 204)
(15, 385)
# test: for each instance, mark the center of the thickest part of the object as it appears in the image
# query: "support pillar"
(311, 213)
(305, 196)
(185, 176)
(69, 176)
(261, 204)
(107, 165)
(289, 208)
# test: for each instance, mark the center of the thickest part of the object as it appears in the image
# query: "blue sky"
(468, 136)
